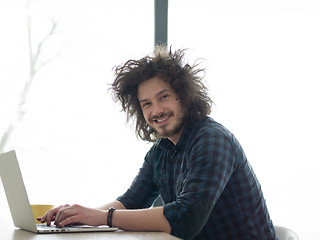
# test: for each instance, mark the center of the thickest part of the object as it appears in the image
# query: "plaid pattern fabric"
(208, 187)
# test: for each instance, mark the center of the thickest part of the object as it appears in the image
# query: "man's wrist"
(109, 216)
(103, 218)
(116, 218)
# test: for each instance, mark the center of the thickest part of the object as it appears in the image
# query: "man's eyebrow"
(161, 92)
(158, 94)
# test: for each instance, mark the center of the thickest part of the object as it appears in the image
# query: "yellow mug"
(39, 210)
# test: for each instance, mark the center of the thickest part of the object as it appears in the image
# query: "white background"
(262, 60)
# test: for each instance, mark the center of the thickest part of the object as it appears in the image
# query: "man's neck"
(175, 138)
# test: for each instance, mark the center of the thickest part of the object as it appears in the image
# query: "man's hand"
(66, 215)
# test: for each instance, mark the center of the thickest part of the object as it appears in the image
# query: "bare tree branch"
(5, 137)
(34, 68)
(40, 44)
(46, 62)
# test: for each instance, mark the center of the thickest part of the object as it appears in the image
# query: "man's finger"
(50, 216)
(70, 220)
(65, 212)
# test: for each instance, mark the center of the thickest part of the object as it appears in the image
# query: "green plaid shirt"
(208, 187)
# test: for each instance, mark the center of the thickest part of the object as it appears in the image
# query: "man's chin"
(163, 133)
(167, 133)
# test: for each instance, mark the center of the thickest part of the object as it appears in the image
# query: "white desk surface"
(9, 232)
(18, 234)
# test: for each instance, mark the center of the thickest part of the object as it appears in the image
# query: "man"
(197, 166)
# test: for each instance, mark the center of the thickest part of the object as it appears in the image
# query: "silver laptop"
(19, 205)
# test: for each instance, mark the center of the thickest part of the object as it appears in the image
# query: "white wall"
(262, 61)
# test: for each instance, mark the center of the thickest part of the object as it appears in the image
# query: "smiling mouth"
(162, 119)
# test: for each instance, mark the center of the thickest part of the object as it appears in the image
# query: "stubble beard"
(167, 133)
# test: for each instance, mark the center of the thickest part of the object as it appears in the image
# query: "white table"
(9, 233)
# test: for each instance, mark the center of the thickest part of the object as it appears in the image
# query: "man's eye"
(164, 97)
(145, 105)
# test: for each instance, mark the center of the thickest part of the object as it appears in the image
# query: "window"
(72, 140)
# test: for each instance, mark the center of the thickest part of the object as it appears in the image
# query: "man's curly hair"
(167, 65)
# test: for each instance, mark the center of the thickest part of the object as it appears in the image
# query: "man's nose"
(157, 109)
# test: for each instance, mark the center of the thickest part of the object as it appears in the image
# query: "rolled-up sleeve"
(210, 163)
(142, 191)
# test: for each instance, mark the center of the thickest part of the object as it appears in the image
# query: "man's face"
(161, 108)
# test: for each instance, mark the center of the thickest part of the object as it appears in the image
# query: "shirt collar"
(166, 144)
